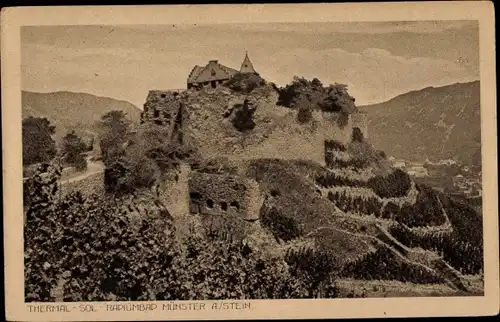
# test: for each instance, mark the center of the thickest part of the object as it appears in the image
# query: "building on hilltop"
(214, 74)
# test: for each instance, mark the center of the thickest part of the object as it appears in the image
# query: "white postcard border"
(14, 18)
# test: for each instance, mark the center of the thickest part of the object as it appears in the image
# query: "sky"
(377, 60)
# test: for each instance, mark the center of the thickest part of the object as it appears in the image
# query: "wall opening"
(210, 203)
(235, 204)
(214, 84)
(275, 193)
(223, 205)
(163, 95)
(195, 195)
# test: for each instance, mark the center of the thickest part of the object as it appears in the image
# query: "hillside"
(73, 111)
(435, 123)
(361, 214)
(319, 200)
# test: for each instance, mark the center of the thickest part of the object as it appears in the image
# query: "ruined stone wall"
(360, 120)
(222, 194)
(161, 107)
(335, 127)
(277, 134)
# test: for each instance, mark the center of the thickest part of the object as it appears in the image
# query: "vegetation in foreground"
(110, 249)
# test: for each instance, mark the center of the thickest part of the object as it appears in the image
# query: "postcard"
(198, 162)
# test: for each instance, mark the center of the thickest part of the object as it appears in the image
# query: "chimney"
(213, 61)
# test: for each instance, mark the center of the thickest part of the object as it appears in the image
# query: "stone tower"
(360, 120)
(247, 66)
(166, 108)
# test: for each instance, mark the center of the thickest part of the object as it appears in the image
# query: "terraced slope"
(371, 221)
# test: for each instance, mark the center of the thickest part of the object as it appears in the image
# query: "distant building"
(400, 164)
(448, 162)
(418, 171)
(214, 74)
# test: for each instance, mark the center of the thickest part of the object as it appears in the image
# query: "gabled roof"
(194, 73)
(213, 71)
(247, 66)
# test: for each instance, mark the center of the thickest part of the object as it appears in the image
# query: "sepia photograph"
(169, 164)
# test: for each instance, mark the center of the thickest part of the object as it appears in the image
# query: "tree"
(333, 98)
(38, 145)
(148, 154)
(115, 130)
(73, 148)
(245, 82)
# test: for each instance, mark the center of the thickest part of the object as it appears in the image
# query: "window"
(156, 113)
(213, 72)
(235, 204)
(163, 95)
(210, 203)
(223, 205)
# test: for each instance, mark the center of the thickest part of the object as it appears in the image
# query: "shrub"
(382, 154)
(357, 135)
(38, 145)
(114, 132)
(301, 90)
(395, 184)
(383, 265)
(146, 157)
(245, 82)
(304, 115)
(333, 98)
(243, 117)
(109, 249)
(282, 227)
(72, 149)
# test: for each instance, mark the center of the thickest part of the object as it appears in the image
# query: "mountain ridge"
(434, 122)
(78, 111)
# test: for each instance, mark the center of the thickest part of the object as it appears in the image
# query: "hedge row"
(395, 184)
(383, 265)
(462, 249)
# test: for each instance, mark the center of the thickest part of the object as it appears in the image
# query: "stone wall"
(276, 135)
(222, 194)
(360, 120)
(334, 127)
(161, 107)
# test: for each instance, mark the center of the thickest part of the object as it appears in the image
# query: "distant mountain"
(73, 111)
(435, 123)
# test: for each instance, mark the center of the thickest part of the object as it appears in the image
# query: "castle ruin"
(222, 194)
(217, 195)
